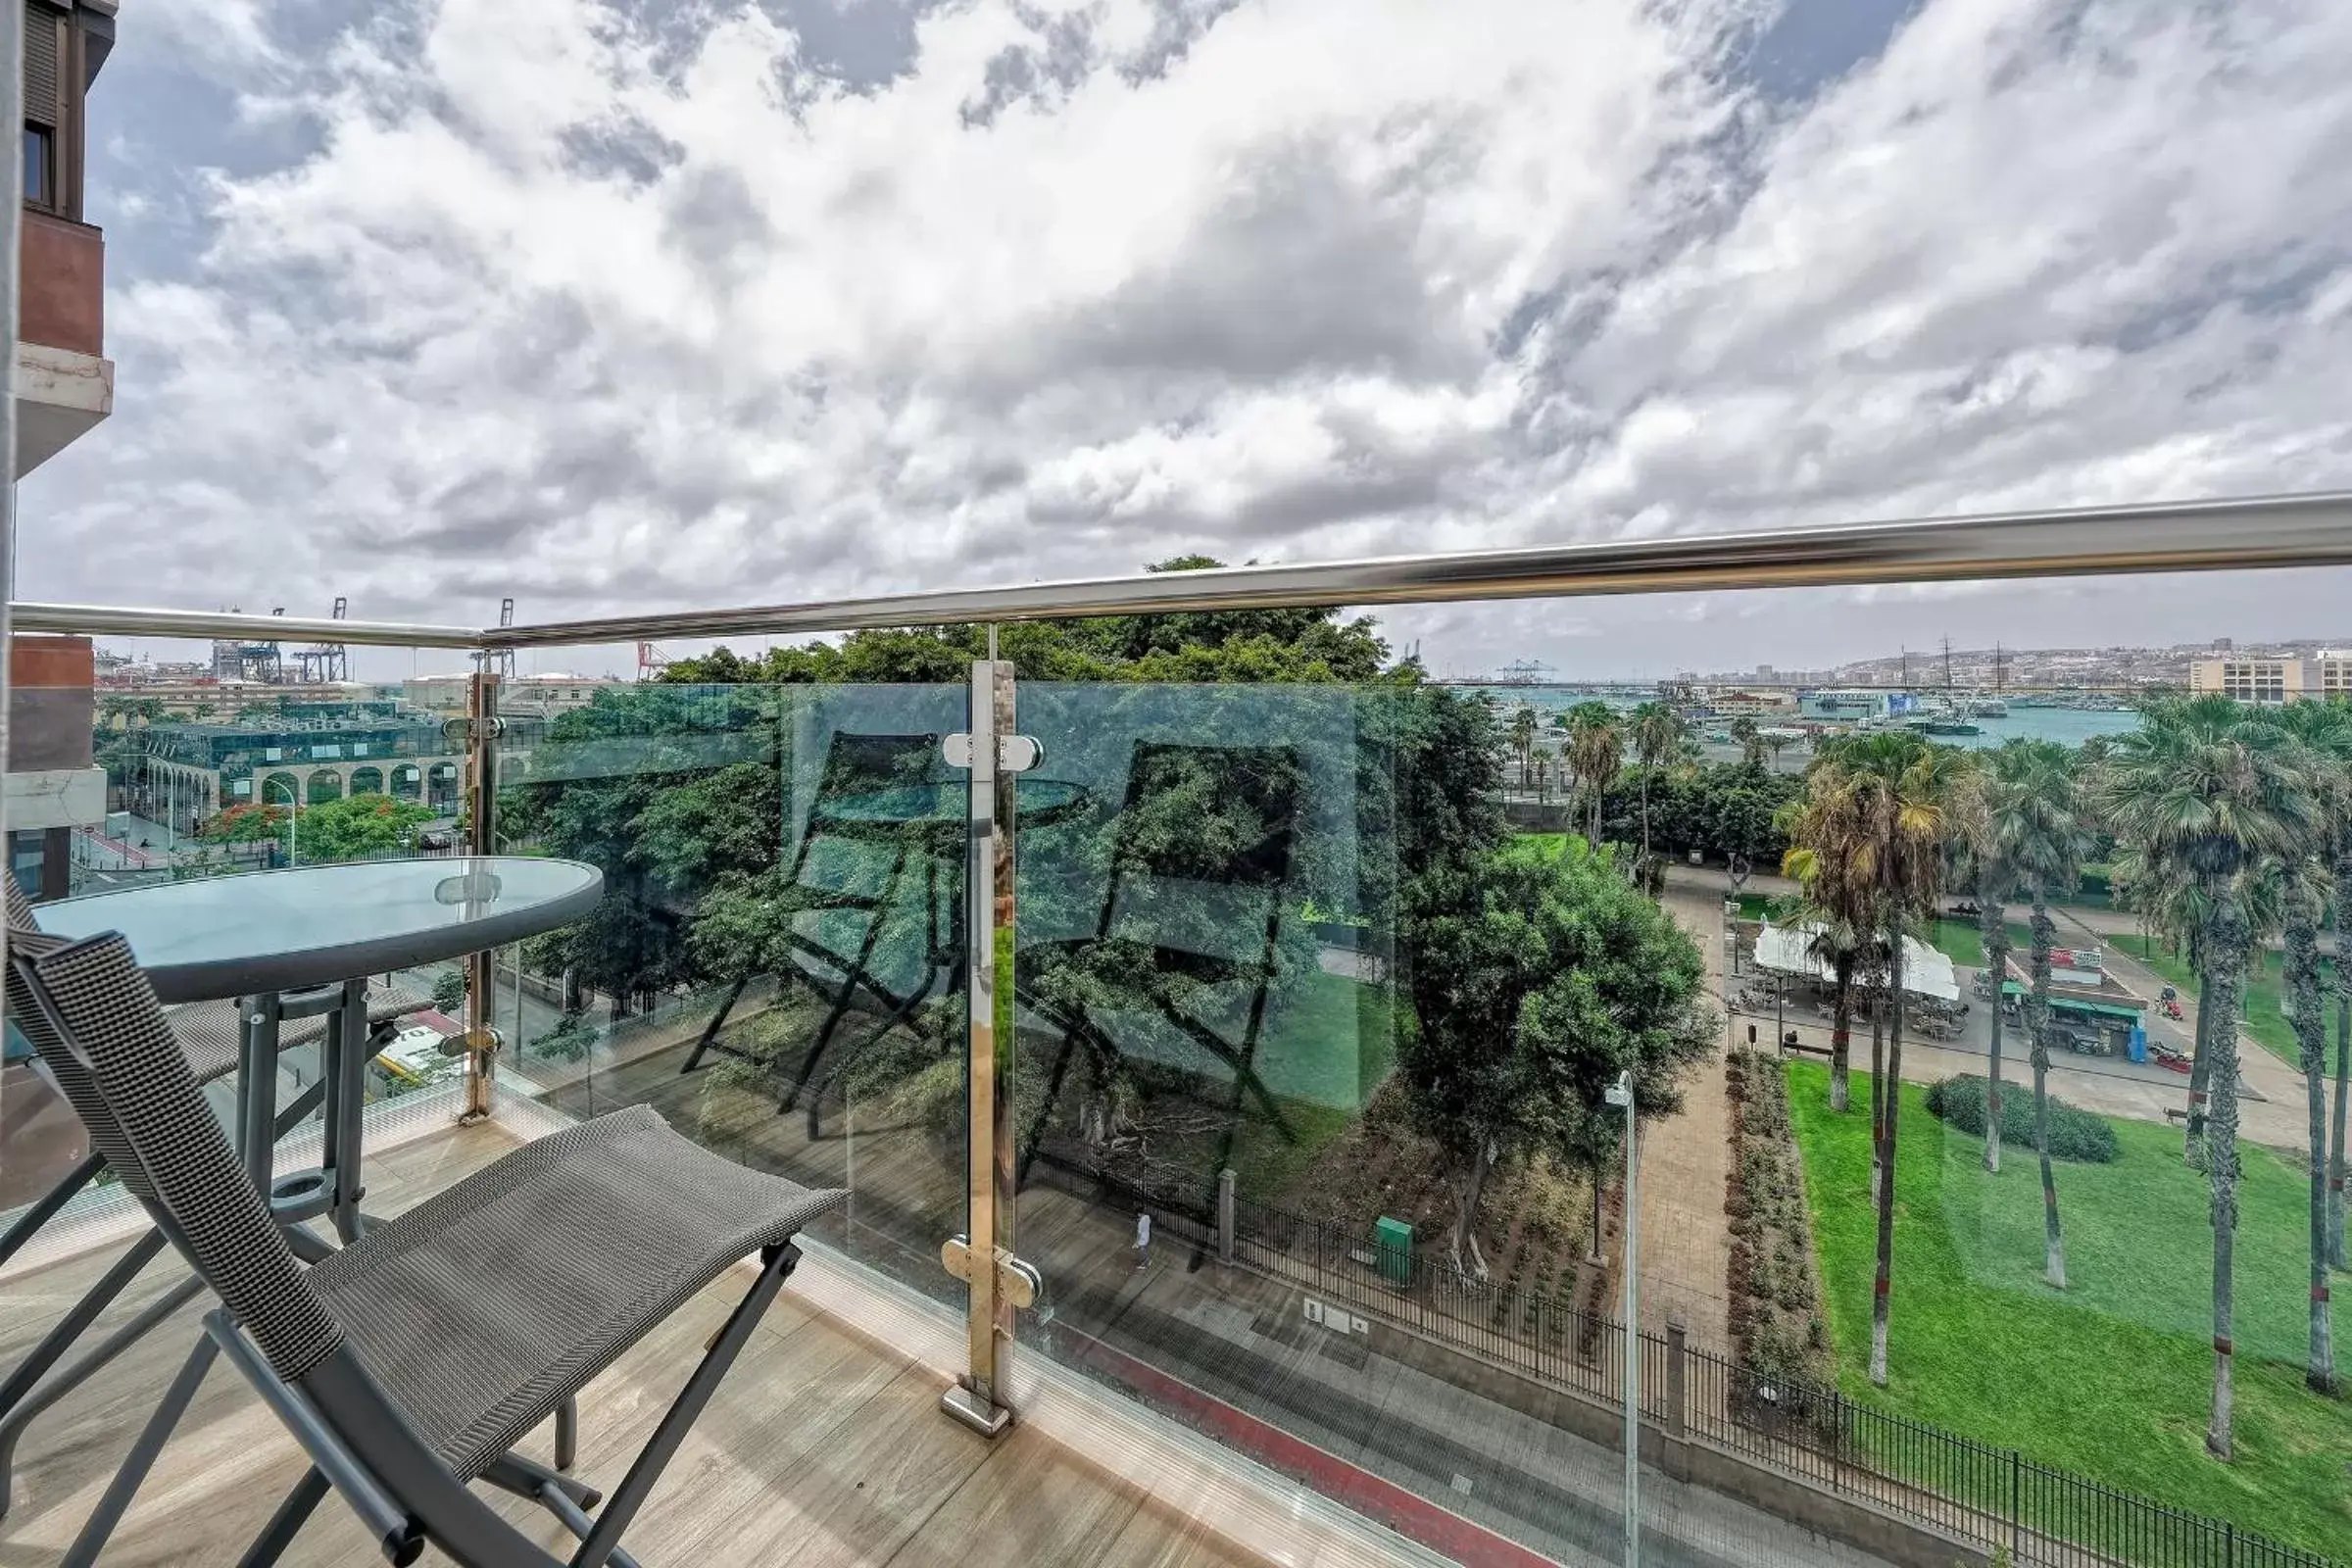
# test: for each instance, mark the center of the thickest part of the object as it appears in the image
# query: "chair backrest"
(1249, 796)
(87, 1008)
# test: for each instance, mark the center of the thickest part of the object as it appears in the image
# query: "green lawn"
(1962, 940)
(2265, 1013)
(2111, 1378)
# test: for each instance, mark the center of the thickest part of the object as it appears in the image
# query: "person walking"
(1143, 1243)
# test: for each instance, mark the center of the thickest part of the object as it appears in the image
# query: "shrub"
(2074, 1134)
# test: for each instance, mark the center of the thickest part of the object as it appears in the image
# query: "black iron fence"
(1996, 1498)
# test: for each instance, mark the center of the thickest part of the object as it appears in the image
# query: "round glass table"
(301, 942)
(310, 925)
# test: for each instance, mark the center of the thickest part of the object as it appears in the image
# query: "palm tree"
(1751, 742)
(1596, 751)
(2304, 886)
(1657, 739)
(2325, 732)
(1911, 795)
(2038, 820)
(1523, 739)
(1543, 764)
(2209, 790)
(1830, 854)
(1991, 874)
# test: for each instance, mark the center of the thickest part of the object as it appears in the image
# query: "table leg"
(350, 1037)
(256, 1086)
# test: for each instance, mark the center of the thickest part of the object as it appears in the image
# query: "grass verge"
(2111, 1378)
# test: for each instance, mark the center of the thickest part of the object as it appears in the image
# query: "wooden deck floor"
(823, 1448)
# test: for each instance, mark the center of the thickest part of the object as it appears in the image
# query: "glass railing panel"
(166, 771)
(776, 965)
(2045, 1380)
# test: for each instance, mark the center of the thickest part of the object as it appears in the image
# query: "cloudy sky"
(659, 302)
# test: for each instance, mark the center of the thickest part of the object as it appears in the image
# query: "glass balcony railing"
(1216, 1012)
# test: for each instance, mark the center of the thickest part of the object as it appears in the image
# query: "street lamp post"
(1621, 1093)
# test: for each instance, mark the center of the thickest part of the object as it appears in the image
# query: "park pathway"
(1686, 1238)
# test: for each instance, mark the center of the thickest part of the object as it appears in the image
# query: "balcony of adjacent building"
(1118, 974)
(64, 383)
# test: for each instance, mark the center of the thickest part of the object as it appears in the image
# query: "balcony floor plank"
(825, 1449)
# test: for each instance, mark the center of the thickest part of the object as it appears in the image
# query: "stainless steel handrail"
(2255, 533)
(2271, 531)
(129, 621)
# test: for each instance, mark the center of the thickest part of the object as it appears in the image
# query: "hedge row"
(2074, 1134)
(1775, 1296)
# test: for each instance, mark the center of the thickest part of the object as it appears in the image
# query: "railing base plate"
(968, 1407)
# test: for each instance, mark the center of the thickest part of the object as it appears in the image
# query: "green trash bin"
(1392, 1245)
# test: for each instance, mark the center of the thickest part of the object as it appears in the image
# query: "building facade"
(62, 382)
(54, 787)
(2272, 678)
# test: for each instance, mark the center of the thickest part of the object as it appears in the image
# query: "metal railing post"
(1678, 1376)
(481, 838)
(1000, 1283)
(1225, 1215)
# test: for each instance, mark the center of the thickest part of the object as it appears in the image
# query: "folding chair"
(208, 1035)
(409, 1363)
(1155, 943)
(848, 881)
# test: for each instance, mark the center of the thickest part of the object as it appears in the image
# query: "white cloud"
(600, 313)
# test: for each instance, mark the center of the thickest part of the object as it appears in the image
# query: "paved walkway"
(1686, 1160)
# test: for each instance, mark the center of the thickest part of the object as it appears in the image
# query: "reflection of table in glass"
(300, 942)
(923, 828)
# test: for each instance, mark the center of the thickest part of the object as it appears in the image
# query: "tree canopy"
(358, 827)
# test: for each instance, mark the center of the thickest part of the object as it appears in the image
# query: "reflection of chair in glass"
(851, 904)
(1190, 920)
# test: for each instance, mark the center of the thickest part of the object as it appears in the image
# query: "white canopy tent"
(1788, 949)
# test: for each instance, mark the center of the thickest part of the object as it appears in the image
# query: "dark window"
(41, 188)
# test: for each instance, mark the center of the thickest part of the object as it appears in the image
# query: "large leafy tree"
(672, 793)
(1227, 647)
(1536, 978)
(2204, 792)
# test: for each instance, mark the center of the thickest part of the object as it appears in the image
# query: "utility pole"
(1621, 1093)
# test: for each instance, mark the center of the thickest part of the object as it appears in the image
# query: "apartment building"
(64, 383)
(2272, 678)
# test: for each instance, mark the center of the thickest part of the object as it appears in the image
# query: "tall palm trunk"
(1994, 922)
(2336, 1256)
(1878, 1089)
(1646, 813)
(2226, 955)
(1883, 1286)
(2310, 1041)
(2200, 1061)
(2053, 1240)
(1841, 1028)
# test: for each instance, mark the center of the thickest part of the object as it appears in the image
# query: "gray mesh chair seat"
(406, 1364)
(483, 1308)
